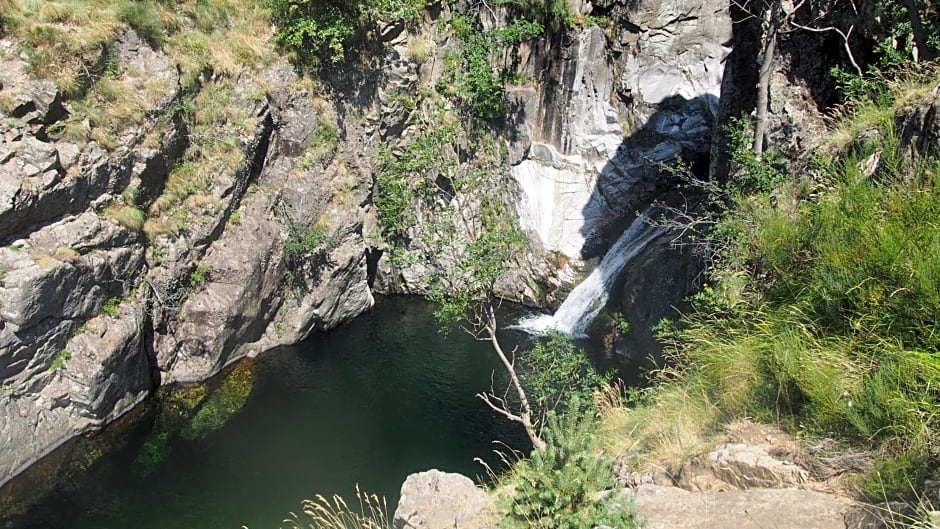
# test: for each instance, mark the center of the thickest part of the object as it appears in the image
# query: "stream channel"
(368, 403)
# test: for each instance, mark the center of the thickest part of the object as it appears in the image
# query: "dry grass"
(65, 39)
(218, 123)
(131, 217)
(372, 513)
(668, 427)
(419, 49)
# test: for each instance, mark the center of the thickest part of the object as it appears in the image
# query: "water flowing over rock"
(603, 127)
(590, 296)
(94, 315)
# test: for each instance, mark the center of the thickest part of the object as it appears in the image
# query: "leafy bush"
(58, 362)
(478, 86)
(315, 30)
(751, 173)
(408, 176)
(112, 306)
(555, 372)
(198, 276)
(321, 30)
(563, 486)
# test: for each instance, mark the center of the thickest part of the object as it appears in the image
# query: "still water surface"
(371, 402)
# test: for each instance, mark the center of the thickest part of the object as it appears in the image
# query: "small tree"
(466, 294)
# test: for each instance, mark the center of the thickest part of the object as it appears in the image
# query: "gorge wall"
(101, 302)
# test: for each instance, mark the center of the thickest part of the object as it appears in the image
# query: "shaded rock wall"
(618, 104)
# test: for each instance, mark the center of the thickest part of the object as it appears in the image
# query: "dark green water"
(371, 402)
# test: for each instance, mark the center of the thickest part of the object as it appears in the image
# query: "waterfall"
(590, 296)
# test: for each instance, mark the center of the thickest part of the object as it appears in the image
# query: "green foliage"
(407, 11)
(302, 241)
(407, 177)
(58, 362)
(112, 306)
(559, 488)
(498, 242)
(750, 173)
(318, 30)
(893, 54)
(518, 31)
(325, 136)
(198, 276)
(896, 48)
(305, 252)
(556, 372)
(477, 84)
(823, 307)
(553, 13)
(622, 324)
(315, 30)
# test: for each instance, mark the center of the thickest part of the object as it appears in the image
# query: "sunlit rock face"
(620, 107)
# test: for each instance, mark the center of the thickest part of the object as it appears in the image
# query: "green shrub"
(58, 362)
(321, 30)
(198, 276)
(566, 485)
(304, 241)
(478, 86)
(112, 306)
(750, 173)
(555, 372)
(315, 30)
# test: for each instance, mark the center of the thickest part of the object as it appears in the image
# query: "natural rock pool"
(371, 402)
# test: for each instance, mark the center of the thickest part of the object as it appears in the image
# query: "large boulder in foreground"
(441, 500)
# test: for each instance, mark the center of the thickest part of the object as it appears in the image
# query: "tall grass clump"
(335, 513)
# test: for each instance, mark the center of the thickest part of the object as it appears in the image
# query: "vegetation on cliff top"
(822, 307)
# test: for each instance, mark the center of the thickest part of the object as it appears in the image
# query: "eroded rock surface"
(674, 508)
(739, 466)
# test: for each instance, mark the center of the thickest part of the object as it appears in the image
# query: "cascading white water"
(590, 296)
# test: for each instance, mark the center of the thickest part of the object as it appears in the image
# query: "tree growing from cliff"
(907, 37)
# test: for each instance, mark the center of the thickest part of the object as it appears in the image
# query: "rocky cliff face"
(93, 313)
(619, 107)
(258, 190)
